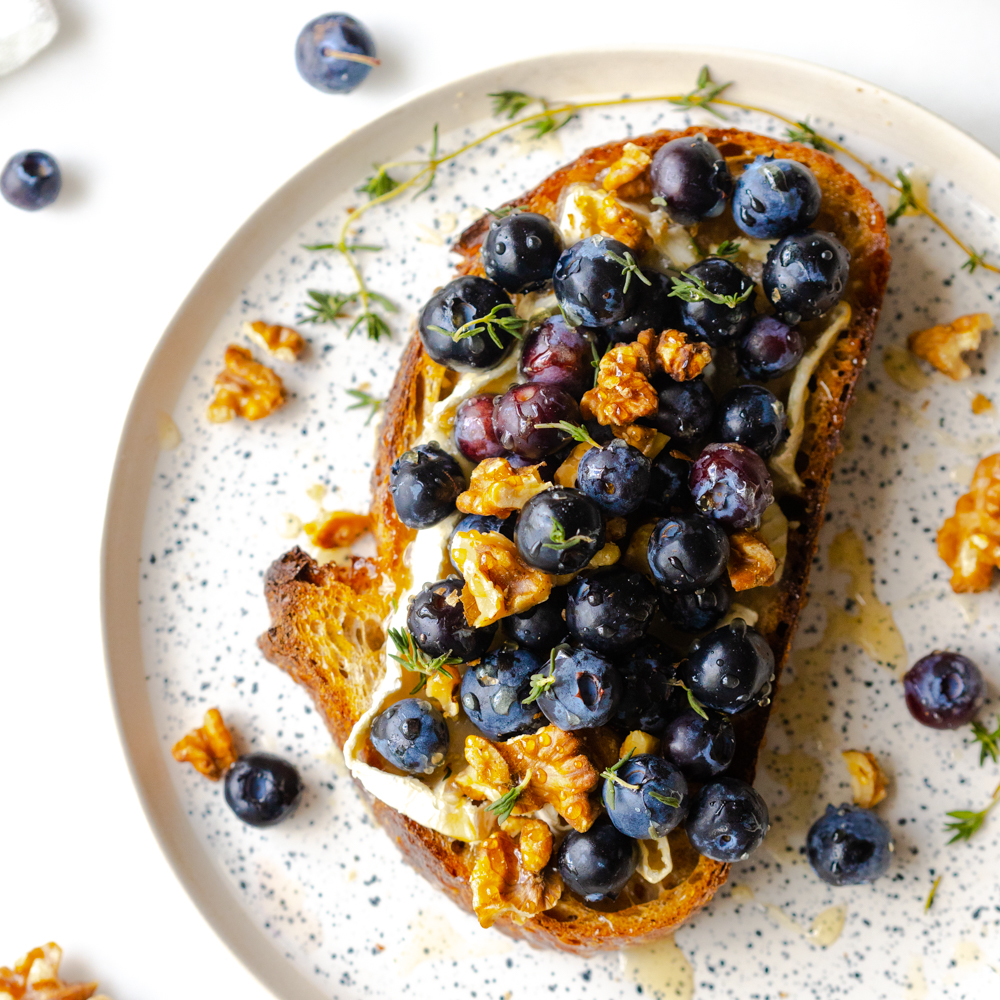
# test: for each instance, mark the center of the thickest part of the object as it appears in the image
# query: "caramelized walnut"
(648, 440)
(209, 749)
(246, 388)
(282, 341)
(679, 359)
(338, 530)
(969, 542)
(943, 345)
(566, 473)
(633, 162)
(751, 561)
(623, 392)
(868, 785)
(497, 488)
(591, 210)
(35, 976)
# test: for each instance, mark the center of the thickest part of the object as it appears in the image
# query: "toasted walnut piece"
(498, 582)
(443, 688)
(943, 345)
(245, 389)
(623, 392)
(606, 556)
(209, 749)
(633, 161)
(282, 341)
(639, 742)
(981, 404)
(969, 541)
(868, 785)
(487, 776)
(497, 488)
(338, 529)
(503, 885)
(535, 844)
(679, 359)
(590, 211)
(35, 976)
(648, 440)
(751, 562)
(566, 473)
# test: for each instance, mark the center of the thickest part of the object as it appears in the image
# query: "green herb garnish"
(510, 103)
(611, 773)
(906, 199)
(488, 324)
(706, 91)
(413, 658)
(975, 260)
(727, 248)
(667, 800)
(540, 683)
(433, 163)
(505, 210)
(692, 700)
(989, 742)
(559, 541)
(966, 822)
(378, 184)
(691, 288)
(365, 399)
(930, 895)
(629, 267)
(596, 363)
(575, 431)
(504, 805)
(808, 136)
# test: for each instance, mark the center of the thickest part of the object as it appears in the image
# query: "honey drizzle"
(661, 969)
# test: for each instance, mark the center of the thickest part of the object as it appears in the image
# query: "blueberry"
(597, 864)
(436, 620)
(559, 531)
(731, 484)
(655, 804)
(31, 180)
(262, 789)
(698, 610)
(686, 412)
(584, 691)
(555, 353)
(653, 309)
(730, 669)
(718, 322)
(323, 53)
(609, 612)
(590, 284)
(701, 748)
(849, 846)
(753, 417)
(412, 735)
(668, 483)
(615, 476)
(521, 250)
(944, 690)
(691, 177)
(518, 413)
(484, 524)
(727, 821)
(541, 627)
(460, 302)
(805, 275)
(648, 695)
(775, 197)
(769, 349)
(425, 483)
(687, 552)
(494, 691)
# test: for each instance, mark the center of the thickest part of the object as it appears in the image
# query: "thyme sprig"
(691, 288)
(413, 658)
(804, 133)
(966, 822)
(907, 199)
(629, 267)
(989, 742)
(512, 102)
(705, 92)
(696, 705)
(576, 431)
(596, 363)
(540, 683)
(727, 248)
(504, 210)
(378, 184)
(504, 806)
(488, 324)
(932, 893)
(667, 800)
(611, 774)
(365, 399)
(558, 539)
(976, 260)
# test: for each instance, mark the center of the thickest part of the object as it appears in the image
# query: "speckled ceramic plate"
(322, 906)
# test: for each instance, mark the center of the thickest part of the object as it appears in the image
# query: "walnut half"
(751, 561)
(35, 976)
(944, 344)
(868, 785)
(208, 749)
(497, 488)
(283, 342)
(969, 541)
(623, 392)
(246, 388)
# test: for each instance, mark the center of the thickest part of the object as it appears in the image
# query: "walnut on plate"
(209, 748)
(868, 784)
(283, 342)
(496, 488)
(944, 344)
(751, 561)
(969, 541)
(35, 976)
(245, 388)
(623, 392)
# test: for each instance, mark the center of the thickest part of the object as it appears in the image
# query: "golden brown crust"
(849, 211)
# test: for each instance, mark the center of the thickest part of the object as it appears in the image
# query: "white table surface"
(172, 122)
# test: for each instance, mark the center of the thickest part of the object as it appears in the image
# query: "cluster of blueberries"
(582, 659)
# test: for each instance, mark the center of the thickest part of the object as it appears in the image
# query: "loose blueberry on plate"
(653, 309)
(473, 430)
(646, 797)
(718, 322)
(484, 524)
(616, 477)
(327, 51)
(609, 612)
(412, 735)
(701, 748)
(730, 669)
(542, 627)
(668, 483)
(581, 689)
(449, 311)
(494, 691)
(849, 846)
(751, 416)
(727, 820)
(769, 349)
(687, 552)
(425, 483)
(436, 620)
(597, 864)
(592, 285)
(686, 412)
(555, 353)
(691, 177)
(698, 610)
(648, 696)
(731, 484)
(559, 531)
(944, 690)
(519, 411)
(775, 197)
(31, 180)
(805, 275)
(262, 789)
(521, 250)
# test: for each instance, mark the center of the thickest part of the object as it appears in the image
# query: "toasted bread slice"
(327, 629)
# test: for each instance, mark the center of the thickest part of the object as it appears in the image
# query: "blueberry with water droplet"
(805, 275)
(849, 846)
(775, 197)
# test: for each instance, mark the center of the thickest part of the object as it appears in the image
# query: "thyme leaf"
(696, 705)
(989, 742)
(488, 324)
(413, 658)
(808, 136)
(328, 307)
(691, 288)
(504, 806)
(432, 163)
(930, 895)
(727, 248)
(543, 126)
(559, 541)
(706, 91)
(510, 103)
(906, 199)
(505, 210)
(611, 774)
(540, 683)
(365, 399)
(975, 260)
(576, 431)
(667, 800)
(629, 267)
(966, 822)
(378, 184)
(596, 363)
